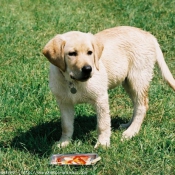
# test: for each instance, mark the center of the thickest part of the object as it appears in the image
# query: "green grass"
(29, 118)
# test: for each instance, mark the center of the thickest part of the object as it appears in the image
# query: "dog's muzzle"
(85, 73)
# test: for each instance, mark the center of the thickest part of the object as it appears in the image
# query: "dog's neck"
(71, 84)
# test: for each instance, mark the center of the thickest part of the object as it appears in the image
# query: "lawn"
(29, 117)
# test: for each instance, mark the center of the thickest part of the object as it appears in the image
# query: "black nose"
(87, 69)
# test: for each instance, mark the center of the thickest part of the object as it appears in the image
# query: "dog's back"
(128, 52)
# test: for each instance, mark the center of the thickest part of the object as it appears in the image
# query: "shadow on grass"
(40, 139)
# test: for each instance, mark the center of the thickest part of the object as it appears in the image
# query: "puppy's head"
(76, 54)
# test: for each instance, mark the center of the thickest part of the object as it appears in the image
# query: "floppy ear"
(53, 51)
(98, 48)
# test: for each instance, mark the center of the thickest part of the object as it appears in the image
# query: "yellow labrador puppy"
(84, 66)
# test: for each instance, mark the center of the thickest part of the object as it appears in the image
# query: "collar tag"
(73, 90)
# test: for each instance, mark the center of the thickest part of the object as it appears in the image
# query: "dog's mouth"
(82, 79)
(84, 74)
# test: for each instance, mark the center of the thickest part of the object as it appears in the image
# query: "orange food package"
(74, 159)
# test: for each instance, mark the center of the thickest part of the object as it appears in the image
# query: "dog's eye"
(89, 52)
(72, 53)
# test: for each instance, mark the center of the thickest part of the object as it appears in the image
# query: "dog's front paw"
(59, 145)
(62, 144)
(102, 143)
(128, 134)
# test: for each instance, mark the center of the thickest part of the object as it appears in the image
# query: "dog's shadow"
(40, 139)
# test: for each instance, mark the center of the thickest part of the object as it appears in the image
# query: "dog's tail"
(166, 74)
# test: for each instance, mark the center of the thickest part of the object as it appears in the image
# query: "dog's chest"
(76, 95)
(86, 92)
